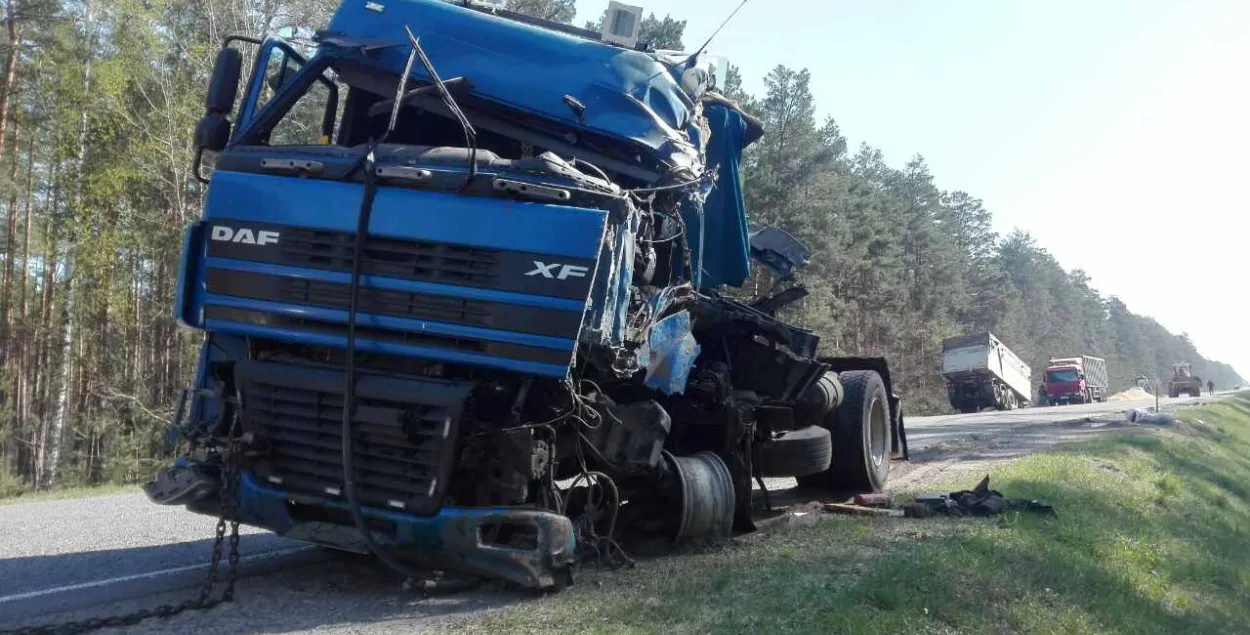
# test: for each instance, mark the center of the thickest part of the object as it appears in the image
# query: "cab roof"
(627, 94)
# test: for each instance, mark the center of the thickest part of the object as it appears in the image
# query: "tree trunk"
(60, 433)
(25, 333)
(6, 294)
(43, 354)
(18, 334)
(10, 67)
(63, 394)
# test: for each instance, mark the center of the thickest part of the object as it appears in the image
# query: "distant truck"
(1071, 380)
(1184, 382)
(981, 372)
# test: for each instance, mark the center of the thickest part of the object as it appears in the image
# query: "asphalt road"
(930, 431)
(98, 556)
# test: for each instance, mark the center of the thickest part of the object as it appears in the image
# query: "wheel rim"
(878, 430)
(707, 495)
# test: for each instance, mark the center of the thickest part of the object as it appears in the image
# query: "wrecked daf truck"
(464, 283)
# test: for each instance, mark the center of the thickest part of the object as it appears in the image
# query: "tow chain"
(205, 599)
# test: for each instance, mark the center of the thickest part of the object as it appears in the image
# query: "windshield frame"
(252, 125)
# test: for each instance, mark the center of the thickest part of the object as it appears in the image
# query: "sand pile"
(1132, 394)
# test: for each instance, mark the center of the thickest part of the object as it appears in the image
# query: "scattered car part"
(707, 500)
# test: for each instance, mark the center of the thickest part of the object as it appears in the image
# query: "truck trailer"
(981, 372)
(1072, 380)
(461, 277)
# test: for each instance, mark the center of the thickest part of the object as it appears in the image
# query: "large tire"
(861, 432)
(801, 452)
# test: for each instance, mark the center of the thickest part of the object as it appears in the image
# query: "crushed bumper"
(539, 554)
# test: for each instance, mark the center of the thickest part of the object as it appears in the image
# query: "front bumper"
(454, 538)
(1067, 397)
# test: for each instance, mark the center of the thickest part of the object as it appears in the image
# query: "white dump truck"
(981, 372)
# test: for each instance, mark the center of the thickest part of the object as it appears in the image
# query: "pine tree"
(554, 10)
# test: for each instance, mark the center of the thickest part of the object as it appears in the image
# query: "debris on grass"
(978, 501)
(1138, 415)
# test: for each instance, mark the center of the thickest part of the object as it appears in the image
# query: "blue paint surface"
(670, 354)
(717, 226)
(371, 346)
(396, 284)
(402, 213)
(627, 94)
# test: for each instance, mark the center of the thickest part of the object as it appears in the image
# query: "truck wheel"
(861, 436)
(801, 452)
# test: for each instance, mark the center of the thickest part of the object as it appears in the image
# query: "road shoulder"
(1149, 537)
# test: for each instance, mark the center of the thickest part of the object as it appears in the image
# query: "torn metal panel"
(607, 313)
(716, 221)
(670, 354)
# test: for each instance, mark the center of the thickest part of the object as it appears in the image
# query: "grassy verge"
(1152, 536)
(67, 493)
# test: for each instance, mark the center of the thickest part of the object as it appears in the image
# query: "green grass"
(1152, 535)
(86, 491)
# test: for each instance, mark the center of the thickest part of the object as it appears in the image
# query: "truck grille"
(395, 303)
(404, 439)
(499, 350)
(406, 259)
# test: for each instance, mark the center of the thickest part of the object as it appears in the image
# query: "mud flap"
(898, 430)
(740, 470)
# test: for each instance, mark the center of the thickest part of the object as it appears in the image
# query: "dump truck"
(461, 275)
(981, 372)
(1184, 382)
(1076, 380)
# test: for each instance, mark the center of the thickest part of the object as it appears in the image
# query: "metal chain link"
(204, 600)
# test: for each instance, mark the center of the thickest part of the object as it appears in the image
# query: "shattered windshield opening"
(361, 114)
(415, 126)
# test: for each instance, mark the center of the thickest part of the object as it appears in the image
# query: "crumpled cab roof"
(627, 94)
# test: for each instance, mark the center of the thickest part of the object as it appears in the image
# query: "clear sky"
(1117, 132)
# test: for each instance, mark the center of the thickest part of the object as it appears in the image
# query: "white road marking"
(139, 576)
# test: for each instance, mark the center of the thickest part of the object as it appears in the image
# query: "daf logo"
(244, 236)
(557, 271)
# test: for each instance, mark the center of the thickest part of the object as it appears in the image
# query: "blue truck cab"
(464, 282)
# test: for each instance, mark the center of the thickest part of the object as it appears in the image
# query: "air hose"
(349, 376)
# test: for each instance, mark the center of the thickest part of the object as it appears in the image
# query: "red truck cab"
(1065, 383)
(1076, 380)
